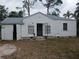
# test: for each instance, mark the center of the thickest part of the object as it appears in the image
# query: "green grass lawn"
(56, 48)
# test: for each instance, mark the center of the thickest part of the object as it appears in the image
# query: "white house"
(37, 24)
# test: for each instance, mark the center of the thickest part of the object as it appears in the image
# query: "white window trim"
(63, 27)
(47, 29)
(31, 30)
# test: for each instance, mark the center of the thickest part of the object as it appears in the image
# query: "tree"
(68, 14)
(13, 14)
(77, 17)
(52, 3)
(3, 12)
(16, 14)
(77, 12)
(20, 14)
(27, 4)
(56, 12)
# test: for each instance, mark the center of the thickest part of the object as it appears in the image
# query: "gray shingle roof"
(52, 17)
(12, 21)
(59, 18)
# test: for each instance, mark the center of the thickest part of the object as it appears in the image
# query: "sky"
(67, 5)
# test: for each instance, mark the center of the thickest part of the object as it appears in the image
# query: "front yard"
(56, 48)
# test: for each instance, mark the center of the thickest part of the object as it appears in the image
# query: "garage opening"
(14, 32)
(0, 31)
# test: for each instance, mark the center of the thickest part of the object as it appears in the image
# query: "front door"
(39, 29)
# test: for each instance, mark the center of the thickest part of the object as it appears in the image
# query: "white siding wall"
(7, 32)
(56, 26)
(19, 32)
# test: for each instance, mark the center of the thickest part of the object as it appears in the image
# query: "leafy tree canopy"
(77, 12)
(56, 12)
(52, 3)
(77, 17)
(16, 14)
(68, 14)
(3, 12)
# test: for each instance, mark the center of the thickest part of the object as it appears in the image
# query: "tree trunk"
(47, 10)
(28, 8)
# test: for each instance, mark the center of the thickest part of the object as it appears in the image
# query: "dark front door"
(39, 29)
(14, 32)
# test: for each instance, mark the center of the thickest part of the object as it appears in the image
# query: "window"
(30, 29)
(65, 26)
(47, 29)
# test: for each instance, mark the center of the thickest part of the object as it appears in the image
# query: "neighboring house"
(37, 24)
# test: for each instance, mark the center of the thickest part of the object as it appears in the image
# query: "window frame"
(30, 29)
(65, 26)
(47, 29)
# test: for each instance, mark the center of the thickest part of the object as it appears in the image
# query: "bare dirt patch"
(6, 49)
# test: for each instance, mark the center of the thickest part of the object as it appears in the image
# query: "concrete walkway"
(7, 49)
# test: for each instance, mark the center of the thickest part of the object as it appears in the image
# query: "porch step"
(40, 38)
(33, 38)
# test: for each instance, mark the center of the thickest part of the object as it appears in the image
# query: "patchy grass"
(56, 48)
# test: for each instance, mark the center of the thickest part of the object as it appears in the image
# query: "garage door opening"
(14, 32)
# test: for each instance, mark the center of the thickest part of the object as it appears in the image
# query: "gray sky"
(67, 5)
